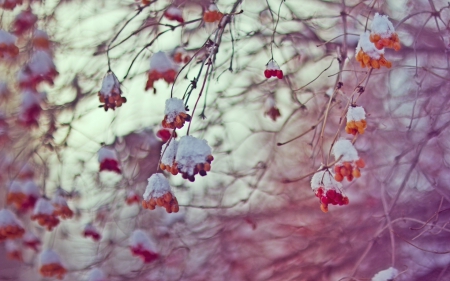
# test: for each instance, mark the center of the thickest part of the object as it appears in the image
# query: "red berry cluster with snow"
(13, 250)
(142, 246)
(23, 194)
(356, 120)
(24, 22)
(51, 265)
(108, 160)
(132, 198)
(271, 108)
(91, 231)
(273, 70)
(161, 67)
(193, 157)
(8, 49)
(10, 226)
(31, 241)
(212, 14)
(159, 193)
(168, 154)
(110, 95)
(10, 4)
(383, 33)
(348, 163)
(44, 213)
(180, 56)
(175, 114)
(62, 210)
(174, 13)
(328, 190)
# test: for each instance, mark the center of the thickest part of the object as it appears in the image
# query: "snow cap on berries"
(356, 113)
(157, 186)
(174, 106)
(169, 153)
(324, 179)
(7, 38)
(110, 85)
(43, 207)
(96, 274)
(385, 275)
(106, 153)
(31, 189)
(368, 47)
(41, 63)
(272, 65)
(191, 151)
(59, 201)
(161, 62)
(382, 26)
(8, 218)
(49, 257)
(140, 239)
(345, 151)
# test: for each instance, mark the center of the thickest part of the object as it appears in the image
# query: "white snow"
(161, 62)
(8, 218)
(191, 151)
(41, 63)
(48, 257)
(324, 179)
(96, 275)
(385, 275)
(157, 186)
(11, 246)
(140, 239)
(368, 47)
(272, 65)
(30, 98)
(43, 207)
(174, 106)
(382, 26)
(270, 103)
(356, 113)
(174, 11)
(15, 187)
(59, 201)
(169, 153)
(106, 153)
(40, 34)
(213, 7)
(345, 148)
(7, 38)
(30, 237)
(110, 85)
(30, 188)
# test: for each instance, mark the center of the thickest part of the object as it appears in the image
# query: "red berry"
(267, 73)
(279, 74)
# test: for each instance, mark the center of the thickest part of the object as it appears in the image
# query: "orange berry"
(324, 208)
(338, 177)
(356, 173)
(360, 163)
(344, 171)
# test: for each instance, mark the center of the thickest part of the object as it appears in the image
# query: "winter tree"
(224, 140)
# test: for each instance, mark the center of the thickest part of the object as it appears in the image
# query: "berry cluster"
(154, 75)
(177, 123)
(91, 231)
(347, 170)
(167, 200)
(108, 160)
(212, 14)
(141, 245)
(393, 42)
(180, 56)
(10, 226)
(53, 270)
(24, 22)
(164, 134)
(44, 214)
(330, 196)
(146, 255)
(173, 13)
(110, 94)
(10, 4)
(132, 198)
(366, 61)
(354, 127)
(200, 168)
(273, 70)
